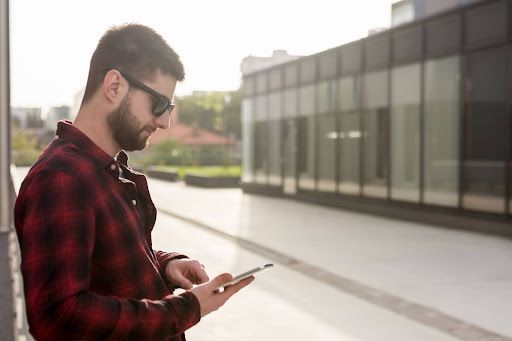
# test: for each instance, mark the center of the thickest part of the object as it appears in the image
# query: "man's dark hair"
(134, 49)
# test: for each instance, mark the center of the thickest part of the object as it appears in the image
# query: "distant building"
(56, 114)
(26, 118)
(406, 11)
(252, 64)
(77, 102)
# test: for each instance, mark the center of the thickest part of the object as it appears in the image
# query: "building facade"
(405, 11)
(414, 122)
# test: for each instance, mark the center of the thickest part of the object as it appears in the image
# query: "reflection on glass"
(405, 133)
(307, 100)
(375, 135)
(510, 199)
(274, 106)
(289, 156)
(290, 103)
(274, 138)
(306, 152)
(486, 130)
(441, 127)
(248, 140)
(326, 97)
(327, 136)
(260, 153)
(274, 151)
(349, 135)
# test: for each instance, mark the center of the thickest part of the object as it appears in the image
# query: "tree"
(217, 111)
(24, 147)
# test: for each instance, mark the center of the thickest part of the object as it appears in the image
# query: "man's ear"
(114, 86)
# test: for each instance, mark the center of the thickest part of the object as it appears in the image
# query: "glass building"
(413, 122)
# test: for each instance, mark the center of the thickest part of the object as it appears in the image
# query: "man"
(84, 218)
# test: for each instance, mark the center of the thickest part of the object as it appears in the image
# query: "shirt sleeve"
(55, 222)
(163, 259)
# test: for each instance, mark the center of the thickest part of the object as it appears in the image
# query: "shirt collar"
(67, 131)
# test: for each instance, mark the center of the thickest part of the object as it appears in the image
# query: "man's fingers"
(183, 282)
(233, 289)
(202, 276)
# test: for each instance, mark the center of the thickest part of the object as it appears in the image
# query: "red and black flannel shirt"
(88, 266)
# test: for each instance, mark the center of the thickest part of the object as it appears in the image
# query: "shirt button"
(134, 202)
(113, 166)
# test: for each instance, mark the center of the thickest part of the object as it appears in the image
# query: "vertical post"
(7, 315)
(5, 195)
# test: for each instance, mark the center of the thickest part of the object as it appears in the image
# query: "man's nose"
(163, 121)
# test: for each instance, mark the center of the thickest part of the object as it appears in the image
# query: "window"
(487, 136)
(274, 151)
(306, 152)
(290, 103)
(326, 96)
(375, 134)
(349, 135)
(248, 140)
(327, 137)
(405, 133)
(261, 152)
(441, 131)
(274, 106)
(307, 100)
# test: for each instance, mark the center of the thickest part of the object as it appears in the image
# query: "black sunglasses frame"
(163, 103)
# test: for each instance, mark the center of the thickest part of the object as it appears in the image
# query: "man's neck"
(95, 127)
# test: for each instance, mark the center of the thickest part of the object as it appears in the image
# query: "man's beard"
(125, 128)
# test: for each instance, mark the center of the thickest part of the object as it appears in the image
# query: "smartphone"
(246, 274)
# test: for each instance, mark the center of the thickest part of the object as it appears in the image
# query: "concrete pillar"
(7, 315)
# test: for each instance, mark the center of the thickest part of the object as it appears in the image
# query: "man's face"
(133, 122)
(126, 129)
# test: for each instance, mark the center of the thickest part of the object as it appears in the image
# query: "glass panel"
(274, 151)
(326, 153)
(289, 155)
(349, 136)
(307, 100)
(326, 97)
(306, 152)
(247, 140)
(274, 105)
(510, 199)
(261, 110)
(260, 156)
(261, 82)
(290, 103)
(441, 127)
(486, 132)
(375, 134)
(405, 133)
(348, 96)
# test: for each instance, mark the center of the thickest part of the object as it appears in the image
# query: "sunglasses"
(163, 103)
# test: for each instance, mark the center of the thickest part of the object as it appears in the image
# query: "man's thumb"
(221, 279)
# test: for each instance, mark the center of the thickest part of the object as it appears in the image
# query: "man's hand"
(211, 299)
(185, 273)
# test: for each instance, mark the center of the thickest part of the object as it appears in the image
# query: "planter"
(162, 174)
(212, 181)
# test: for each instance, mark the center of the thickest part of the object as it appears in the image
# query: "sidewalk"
(458, 282)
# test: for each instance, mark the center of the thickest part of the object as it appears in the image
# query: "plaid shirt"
(88, 266)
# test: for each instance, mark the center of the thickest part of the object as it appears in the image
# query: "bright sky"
(52, 40)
